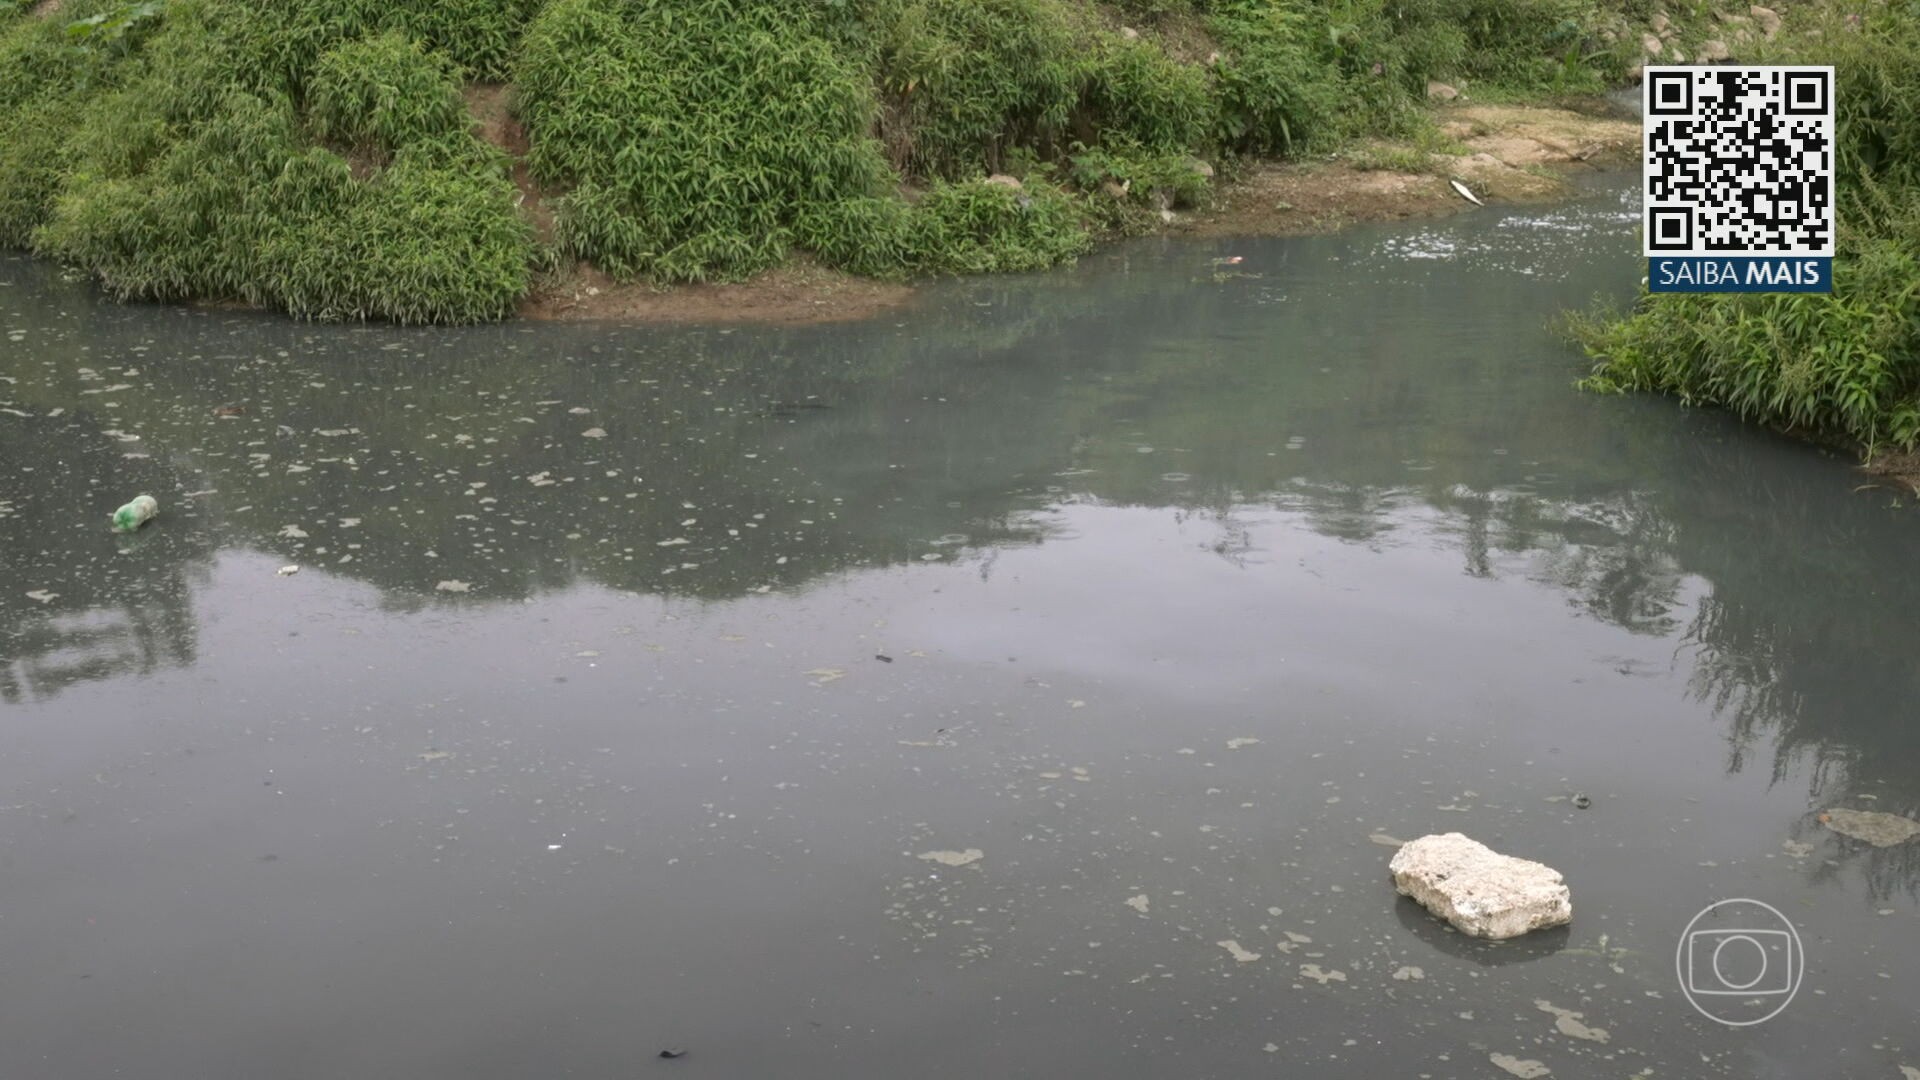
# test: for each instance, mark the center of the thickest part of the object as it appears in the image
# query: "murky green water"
(629, 676)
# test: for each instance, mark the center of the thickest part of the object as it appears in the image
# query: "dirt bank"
(1505, 153)
(798, 292)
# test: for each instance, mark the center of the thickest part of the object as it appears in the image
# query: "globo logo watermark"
(1740, 962)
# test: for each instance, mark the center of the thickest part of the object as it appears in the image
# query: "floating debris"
(1524, 1068)
(1569, 1022)
(1138, 903)
(1407, 972)
(135, 514)
(1323, 977)
(953, 858)
(1466, 194)
(1235, 744)
(1480, 891)
(594, 433)
(287, 571)
(827, 674)
(1878, 829)
(42, 595)
(454, 586)
(1239, 954)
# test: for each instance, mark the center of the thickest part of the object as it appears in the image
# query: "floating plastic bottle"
(135, 514)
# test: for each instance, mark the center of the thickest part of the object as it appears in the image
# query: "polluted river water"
(1029, 683)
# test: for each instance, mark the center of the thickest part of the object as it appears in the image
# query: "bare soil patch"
(487, 103)
(1515, 153)
(799, 292)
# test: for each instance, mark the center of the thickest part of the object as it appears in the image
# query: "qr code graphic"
(1739, 161)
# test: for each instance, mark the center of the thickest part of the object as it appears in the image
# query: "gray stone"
(1480, 891)
(1768, 19)
(1715, 51)
(1650, 44)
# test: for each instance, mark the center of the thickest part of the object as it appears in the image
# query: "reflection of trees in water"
(880, 445)
(121, 605)
(54, 651)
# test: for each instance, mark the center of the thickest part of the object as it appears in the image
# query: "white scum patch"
(953, 858)
(1323, 977)
(1524, 1068)
(1138, 903)
(1239, 954)
(1569, 1023)
(454, 586)
(1235, 744)
(1408, 972)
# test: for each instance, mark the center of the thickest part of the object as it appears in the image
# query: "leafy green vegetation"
(1845, 365)
(383, 93)
(318, 155)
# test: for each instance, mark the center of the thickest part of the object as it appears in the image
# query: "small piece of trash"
(453, 586)
(883, 658)
(553, 847)
(673, 1052)
(1323, 977)
(594, 433)
(1138, 903)
(135, 514)
(1235, 744)
(1408, 972)
(287, 571)
(1466, 194)
(42, 595)
(827, 674)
